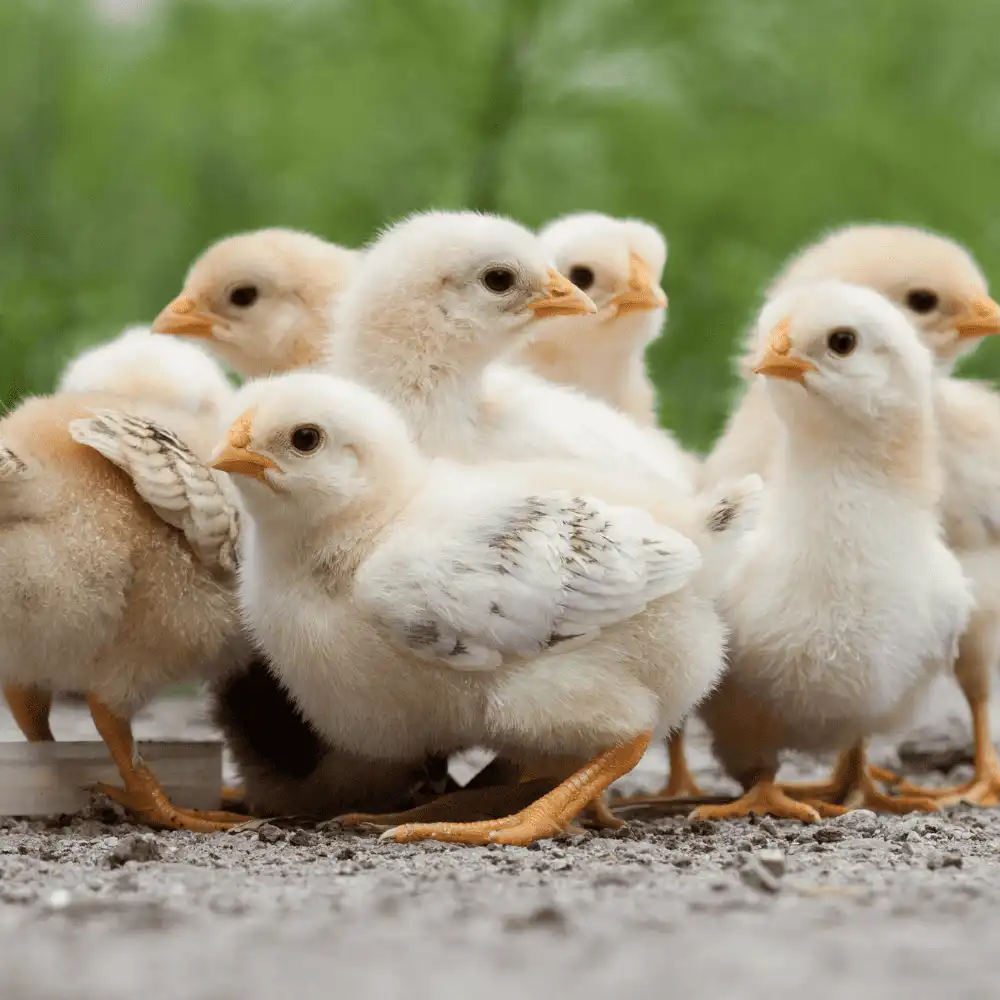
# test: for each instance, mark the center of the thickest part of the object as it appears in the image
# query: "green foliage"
(742, 127)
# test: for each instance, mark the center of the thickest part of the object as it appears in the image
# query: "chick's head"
(141, 366)
(617, 262)
(845, 347)
(934, 280)
(261, 300)
(454, 287)
(314, 442)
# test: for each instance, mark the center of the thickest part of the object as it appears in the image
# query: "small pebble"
(828, 834)
(270, 834)
(139, 847)
(755, 875)
(772, 860)
(302, 838)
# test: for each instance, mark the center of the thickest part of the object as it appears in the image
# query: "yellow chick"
(116, 582)
(261, 300)
(619, 264)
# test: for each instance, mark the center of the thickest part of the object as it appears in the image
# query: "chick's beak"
(779, 362)
(981, 320)
(561, 298)
(184, 317)
(234, 454)
(641, 292)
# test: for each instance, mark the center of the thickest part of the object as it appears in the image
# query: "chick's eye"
(243, 296)
(582, 277)
(842, 341)
(920, 300)
(306, 439)
(499, 280)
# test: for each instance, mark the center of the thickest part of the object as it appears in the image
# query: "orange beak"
(234, 455)
(982, 319)
(779, 362)
(561, 298)
(641, 292)
(184, 317)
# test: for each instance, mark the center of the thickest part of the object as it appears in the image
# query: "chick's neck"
(894, 456)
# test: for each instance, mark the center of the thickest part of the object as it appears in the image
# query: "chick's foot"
(984, 788)
(143, 795)
(151, 806)
(765, 798)
(548, 816)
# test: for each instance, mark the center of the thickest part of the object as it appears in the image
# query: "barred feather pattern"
(183, 491)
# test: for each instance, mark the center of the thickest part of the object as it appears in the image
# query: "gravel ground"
(92, 908)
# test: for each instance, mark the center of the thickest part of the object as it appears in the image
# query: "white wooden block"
(47, 779)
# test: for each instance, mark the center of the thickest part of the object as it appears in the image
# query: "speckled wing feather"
(519, 578)
(171, 479)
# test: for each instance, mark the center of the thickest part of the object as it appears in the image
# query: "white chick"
(441, 297)
(619, 264)
(261, 300)
(115, 584)
(418, 606)
(138, 365)
(844, 602)
(939, 286)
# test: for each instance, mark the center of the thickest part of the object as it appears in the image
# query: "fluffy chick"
(619, 264)
(942, 291)
(844, 601)
(439, 300)
(578, 624)
(116, 582)
(138, 365)
(261, 300)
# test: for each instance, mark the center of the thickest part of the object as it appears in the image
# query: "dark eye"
(582, 277)
(499, 280)
(920, 300)
(842, 341)
(306, 439)
(243, 296)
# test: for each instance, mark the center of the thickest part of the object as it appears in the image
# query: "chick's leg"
(30, 707)
(680, 780)
(545, 817)
(143, 794)
(853, 786)
(984, 788)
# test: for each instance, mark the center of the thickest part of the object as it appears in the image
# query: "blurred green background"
(132, 134)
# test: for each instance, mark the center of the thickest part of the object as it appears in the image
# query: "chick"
(618, 263)
(439, 300)
(261, 300)
(138, 365)
(939, 286)
(844, 602)
(578, 625)
(115, 583)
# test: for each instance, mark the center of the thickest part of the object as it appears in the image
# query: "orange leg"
(143, 794)
(545, 817)
(984, 788)
(30, 707)
(680, 781)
